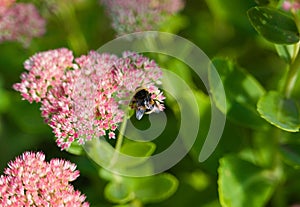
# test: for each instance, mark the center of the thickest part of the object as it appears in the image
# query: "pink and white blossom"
(31, 181)
(139, 15)
(86, 97)
(20, 22)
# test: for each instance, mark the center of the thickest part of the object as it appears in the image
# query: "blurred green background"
(219, 27)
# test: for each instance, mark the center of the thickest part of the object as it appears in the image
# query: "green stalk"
(291, 77)
(294, 67)
(120, 139)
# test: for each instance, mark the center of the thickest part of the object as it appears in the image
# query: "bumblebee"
(143, 103)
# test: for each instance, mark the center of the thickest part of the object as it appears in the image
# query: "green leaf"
(279, 111)
(286, 52)
(242, 93)
(274, 25)
(153, 188)
(134, 203)
(242, 184)
(75, 149)
(138, 149)
(291, 154)
(150, 189)
(105, 174)
(101, 152)
(118, 192)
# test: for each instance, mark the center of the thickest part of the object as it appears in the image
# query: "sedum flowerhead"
(20, 22)
(46, 70)
(31, 181)
(291, 5)
(86, 97)
(139, 15)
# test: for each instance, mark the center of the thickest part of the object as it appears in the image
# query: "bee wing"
(139, 113)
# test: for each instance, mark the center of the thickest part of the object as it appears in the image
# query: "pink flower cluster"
(31, 181)
(5, 4)
(291, 5)
(20, 22)
(86, 97)
(139, 15)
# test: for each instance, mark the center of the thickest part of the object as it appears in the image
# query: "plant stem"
(294, 67)
(120, 135)
(120, 139)
(291, 77)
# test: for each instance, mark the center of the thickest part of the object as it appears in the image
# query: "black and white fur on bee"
(143, 103)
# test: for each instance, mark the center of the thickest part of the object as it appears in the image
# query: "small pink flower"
(139, 15)
(20, 22)
(31, 181)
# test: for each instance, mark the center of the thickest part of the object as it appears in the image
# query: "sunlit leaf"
(145, 189)
(138, 149)
(154, 188)
(75, 149)
(99, 151)
(118, 192)
(279, 111)
(242, 184)
(286, 52)
(134, 203)
(106, 156)
(242, 93)
(274, 25)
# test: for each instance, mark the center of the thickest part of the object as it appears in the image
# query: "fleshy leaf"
(144, 189)
(118, 192)
(75, 149)
(138, 149)
(279, 111)
(154, 188)
(285, 52)
(242, 184)
(274, 25)
(242, 93)
(101, 152)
